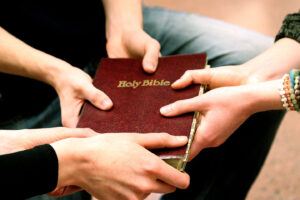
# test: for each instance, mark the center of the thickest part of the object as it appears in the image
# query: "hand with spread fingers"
(222, 110)
(236, 93)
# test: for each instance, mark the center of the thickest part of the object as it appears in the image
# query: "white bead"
(284, 99)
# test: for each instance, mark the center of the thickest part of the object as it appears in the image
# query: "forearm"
(283, 56)
(122, 15)
(20, 59)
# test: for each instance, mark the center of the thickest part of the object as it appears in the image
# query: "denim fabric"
(225, 172)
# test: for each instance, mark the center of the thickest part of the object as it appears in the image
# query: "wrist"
(69, 162)
(279, 59)
(263, 96)
(55, 71)
(118, 31)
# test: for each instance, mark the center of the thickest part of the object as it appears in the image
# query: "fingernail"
(106, 103)
(149, 66)
(181, 138)
(175, 82)
(166, 109)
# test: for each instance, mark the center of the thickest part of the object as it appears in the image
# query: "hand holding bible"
(135, 44)
(117, 166)
(73, 87)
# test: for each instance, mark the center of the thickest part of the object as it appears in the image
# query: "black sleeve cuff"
(28, 173)
(290, 27)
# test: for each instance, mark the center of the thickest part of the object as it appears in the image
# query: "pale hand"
(135, 44)
(222, 111)
(73, 87)
(117, 166)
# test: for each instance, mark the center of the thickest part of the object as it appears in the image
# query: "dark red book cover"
(138, 96)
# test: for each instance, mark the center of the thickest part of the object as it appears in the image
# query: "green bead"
(294, 101)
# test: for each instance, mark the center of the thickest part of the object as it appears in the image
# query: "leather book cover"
(138, 96)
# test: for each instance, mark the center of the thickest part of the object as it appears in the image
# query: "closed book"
(138, 96)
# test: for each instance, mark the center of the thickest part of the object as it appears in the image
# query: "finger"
(202, 76)
(182, 106)
(98, 98)
(152, 52)
(195, 148)
(70, 114)
(207, 134)
(59, 192)
(172, 176)
(162, 187)
(37, 137)
(159, 140)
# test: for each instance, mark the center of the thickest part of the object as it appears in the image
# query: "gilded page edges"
(182, 163)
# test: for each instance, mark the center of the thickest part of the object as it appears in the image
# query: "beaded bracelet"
(287, 94)
(297, 89)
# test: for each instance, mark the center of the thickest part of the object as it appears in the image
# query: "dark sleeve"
(290, 27)
(28, 173)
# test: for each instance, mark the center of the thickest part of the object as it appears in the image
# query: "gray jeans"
(225, 172)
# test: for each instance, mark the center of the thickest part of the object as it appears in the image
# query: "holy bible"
(138, 96)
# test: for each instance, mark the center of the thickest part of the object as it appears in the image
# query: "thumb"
(152, 52)
(159, 140)
(98, 98)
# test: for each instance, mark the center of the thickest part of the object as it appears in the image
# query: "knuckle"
(156, 44)
(97, 97)
(88, 130)
(188, 73)
(206, 139)
(164, 137)
(144, 187)
(151, 167)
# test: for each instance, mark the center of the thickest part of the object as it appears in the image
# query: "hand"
(73, 87)
(132, 44)
(117, 166)
(223, 110)
(17, 140)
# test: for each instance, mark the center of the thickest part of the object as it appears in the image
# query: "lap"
(182, 33)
